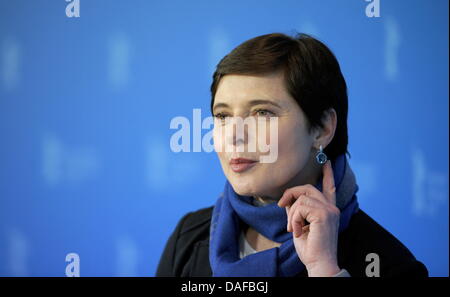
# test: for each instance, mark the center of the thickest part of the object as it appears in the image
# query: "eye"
(264, 113)
(220, 116)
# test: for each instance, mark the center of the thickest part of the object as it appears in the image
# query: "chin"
(246, 188)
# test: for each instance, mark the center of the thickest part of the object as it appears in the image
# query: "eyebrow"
(250, 103)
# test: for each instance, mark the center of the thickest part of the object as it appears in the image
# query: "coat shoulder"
(366, 241)
(186, 251)
(198, 219)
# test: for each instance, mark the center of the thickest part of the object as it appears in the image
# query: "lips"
(241, 164)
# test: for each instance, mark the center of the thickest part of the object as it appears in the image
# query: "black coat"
(187, 251)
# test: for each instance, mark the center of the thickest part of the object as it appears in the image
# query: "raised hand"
(316, 242)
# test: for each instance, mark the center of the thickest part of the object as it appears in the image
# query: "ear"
(325, 135)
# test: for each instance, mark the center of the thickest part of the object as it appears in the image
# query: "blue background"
(86, 103)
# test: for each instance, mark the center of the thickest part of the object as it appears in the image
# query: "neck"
(266, 200)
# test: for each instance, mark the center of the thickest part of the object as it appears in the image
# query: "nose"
(236, 132)
(242, 135)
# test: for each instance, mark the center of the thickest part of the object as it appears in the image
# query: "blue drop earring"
(321, 157)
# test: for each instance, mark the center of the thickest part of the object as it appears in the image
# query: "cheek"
(294, 144)
(218, 139)
(219, 146)
(293, 150)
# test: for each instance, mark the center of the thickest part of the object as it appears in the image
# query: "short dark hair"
(311, 72)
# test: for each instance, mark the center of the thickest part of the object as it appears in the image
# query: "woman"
(296, 215)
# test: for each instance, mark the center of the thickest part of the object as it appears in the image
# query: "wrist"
(325, 269)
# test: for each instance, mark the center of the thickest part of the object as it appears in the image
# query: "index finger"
(328, 186)
(291, 195)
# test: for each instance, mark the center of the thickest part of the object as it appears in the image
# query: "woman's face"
(262, 97)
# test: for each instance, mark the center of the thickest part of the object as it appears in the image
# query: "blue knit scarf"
(233, 210)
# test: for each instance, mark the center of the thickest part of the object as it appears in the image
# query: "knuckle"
(335, 211)
(323, 213)
(303, 200)
(309, 186)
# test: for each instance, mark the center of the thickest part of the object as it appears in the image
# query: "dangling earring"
(321, 157)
